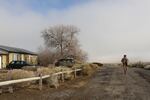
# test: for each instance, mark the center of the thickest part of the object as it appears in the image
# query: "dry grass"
(68, 75)
(87, 69)
(97, 63)
(94, 66)
(77, 66)
(61, 68)
(147, 67)
(29, 71)
(51, 70)
(45, 71)
(17, 74)
(31, 68)
(3, 77)
(138, 64)
(53, 80)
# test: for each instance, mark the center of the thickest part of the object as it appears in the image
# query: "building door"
(0, 62)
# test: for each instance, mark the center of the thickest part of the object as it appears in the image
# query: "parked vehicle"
(17, 65)
(69, 62)
(97, 63)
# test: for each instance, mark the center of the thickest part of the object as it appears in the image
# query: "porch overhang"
(3, 52)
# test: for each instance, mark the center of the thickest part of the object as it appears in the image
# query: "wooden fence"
(40, 78)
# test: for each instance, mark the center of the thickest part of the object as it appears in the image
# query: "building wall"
(27, 58)
(0, 61)
(31, 59)
(11, 57)
(22, 57)
(7, 58)
(4, 61)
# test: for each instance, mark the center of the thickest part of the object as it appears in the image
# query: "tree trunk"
(61, 50)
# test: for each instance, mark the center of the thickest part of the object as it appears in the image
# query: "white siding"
(15, 57)
(0, 62)
(22, 57)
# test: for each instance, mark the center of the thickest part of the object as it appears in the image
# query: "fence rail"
(40, 78)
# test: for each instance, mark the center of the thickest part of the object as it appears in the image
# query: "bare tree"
(60, 37)
(61, 41)
(46, 56)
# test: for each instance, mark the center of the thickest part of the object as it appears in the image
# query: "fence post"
(10, 89)
(1, 90)
(62, 76)
(75, 73)
(40, 82)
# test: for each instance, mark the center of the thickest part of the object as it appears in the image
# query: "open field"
(109, 83)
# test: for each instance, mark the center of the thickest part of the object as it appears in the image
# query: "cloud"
(109, 28)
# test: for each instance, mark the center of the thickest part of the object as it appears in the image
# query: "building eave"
(7, 50)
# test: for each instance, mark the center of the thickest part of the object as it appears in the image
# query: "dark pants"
(125, 64)
(125, 67)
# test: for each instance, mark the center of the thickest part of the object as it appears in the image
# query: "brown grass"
(87, 69)
(94, 66)
(17, 74)
(137, 64)
(77, 66)
(53, 80)
(31, 68)
(29, 71)
(45, 71)
(3, 77)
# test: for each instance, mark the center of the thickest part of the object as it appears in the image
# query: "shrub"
(138, 64)
(99, 64)
(67, 76)
(87, 69)
(130, 65)
(147, 67)
(52, 81)
(94, 66)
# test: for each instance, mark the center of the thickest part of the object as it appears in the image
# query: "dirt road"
(109, 83)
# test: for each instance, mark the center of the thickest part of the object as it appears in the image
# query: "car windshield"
(15, 62)
(22, 62)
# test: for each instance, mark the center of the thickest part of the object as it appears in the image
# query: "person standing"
(124, 61)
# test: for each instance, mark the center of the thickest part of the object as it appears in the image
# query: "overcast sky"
(109, 28)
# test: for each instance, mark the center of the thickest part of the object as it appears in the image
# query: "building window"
(15, 56)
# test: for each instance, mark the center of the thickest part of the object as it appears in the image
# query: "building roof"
(15, 50)
(3, 52)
